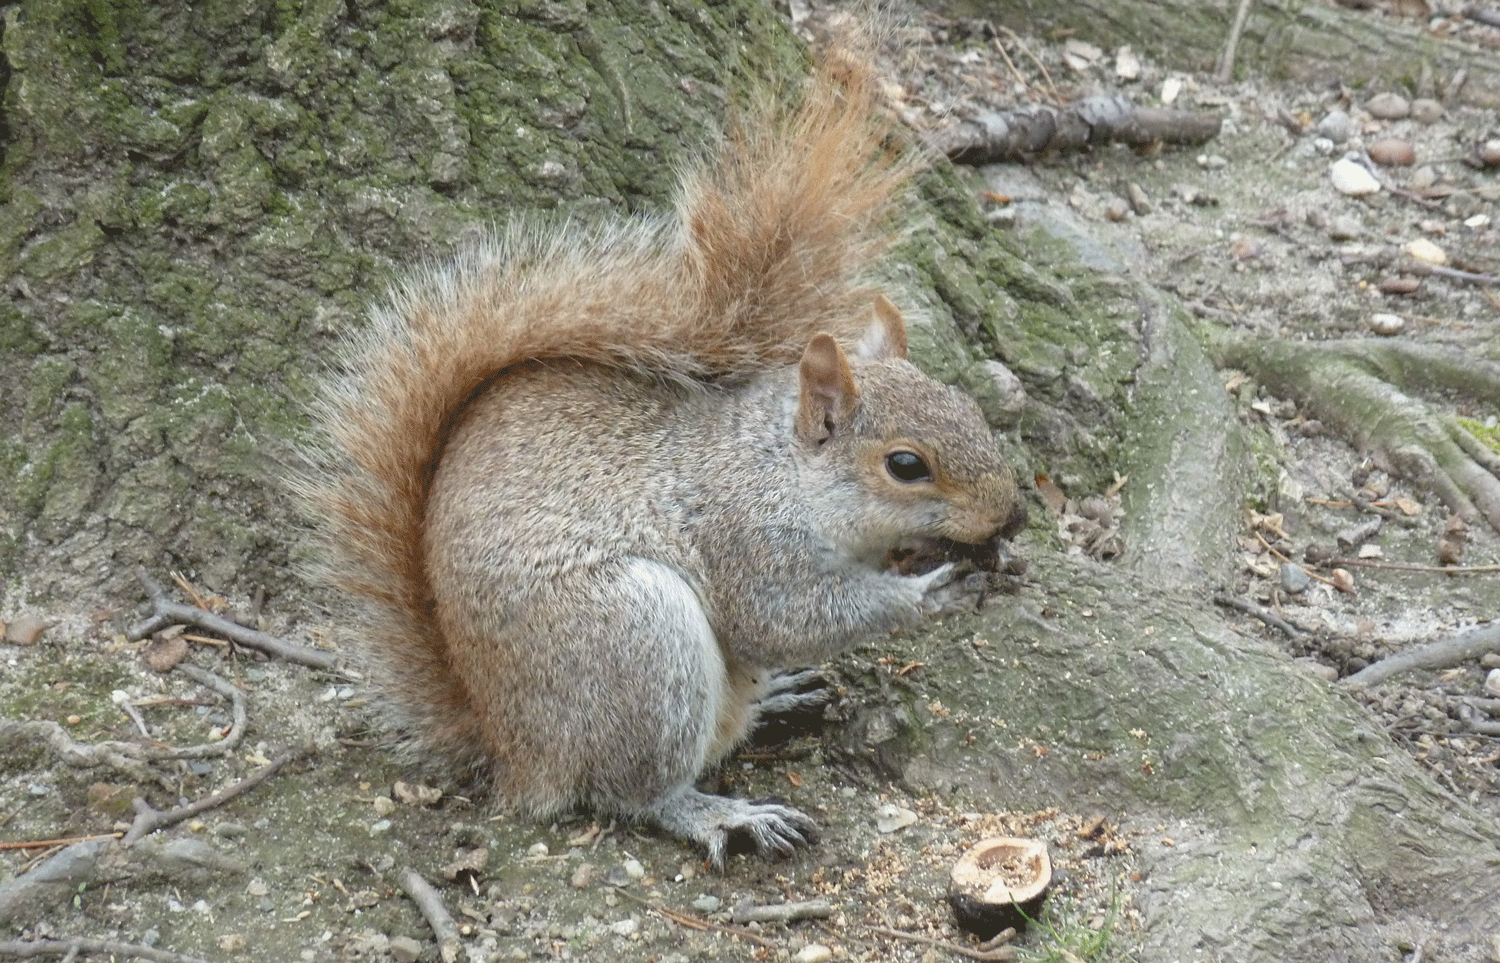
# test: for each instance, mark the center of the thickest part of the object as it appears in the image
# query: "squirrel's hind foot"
(717, 822)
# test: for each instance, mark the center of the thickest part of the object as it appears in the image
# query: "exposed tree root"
(1370, 391)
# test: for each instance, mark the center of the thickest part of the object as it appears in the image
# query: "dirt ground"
(1248, 230)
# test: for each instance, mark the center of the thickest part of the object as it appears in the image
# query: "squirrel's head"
(918, 452)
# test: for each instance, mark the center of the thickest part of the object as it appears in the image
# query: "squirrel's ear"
(886, 335)
(828, 394)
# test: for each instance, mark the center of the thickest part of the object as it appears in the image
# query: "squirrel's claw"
(715, 821)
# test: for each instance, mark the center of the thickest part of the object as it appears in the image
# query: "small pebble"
(1424, 250)
(1387, 324)
(891, 817)
(404, 949)
(1117, 209)
(1336, 126)
(707, 904)
(625, 927)
(1490, 660)
(1492, 683)
(1325, 672)
(1345, 227)
(1388, 106)
(1477, 221)
(536, 850)
(634, 869)
(1422, 178)
(1212, 161)
(1425, 110)
(582, 876)
(1393, 152)
(1352, 179)
(813, 953)
(1139, 202)
(1294, 578)
(1402, 285)
(1488, 153)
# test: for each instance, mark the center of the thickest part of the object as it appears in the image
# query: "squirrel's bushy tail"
(770, 244)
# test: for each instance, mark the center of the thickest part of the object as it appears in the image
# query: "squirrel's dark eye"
(907, 466)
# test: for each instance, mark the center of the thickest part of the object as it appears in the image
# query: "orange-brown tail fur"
(770, 243)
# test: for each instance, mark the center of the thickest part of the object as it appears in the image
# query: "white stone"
(891, 817)
(1387, 324)
(1352, 179)
(814, 953)
(1492, 683)
(1424, 250)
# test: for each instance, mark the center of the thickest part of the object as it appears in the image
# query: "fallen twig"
(148, 820)
(70, 948)
(1009, 135)
(1443, 271)
(1434, 655)
(430, 904)
(783, 912)
(1260, 612)
(1413, 567)
(47, 843)
(1469, 716)
(696, 922)
(165, 612)
(1224, 71)
(1001, 953)
(237, 725)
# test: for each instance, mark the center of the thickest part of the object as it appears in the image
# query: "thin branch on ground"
(70, 948)
(1261, 612)
(48, 843)
(696, 922)
(1413, 567)
(1224, 70)
(237, 726)
(1470, 717)
(1002, 953)
(1441, 654)
(149, 820)
(165, 612)
(430, 904)
(783, 912)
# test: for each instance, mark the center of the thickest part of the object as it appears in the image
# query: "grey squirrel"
(595, 486)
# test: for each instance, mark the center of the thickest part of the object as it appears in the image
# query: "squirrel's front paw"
(955, 591)
(794, 692)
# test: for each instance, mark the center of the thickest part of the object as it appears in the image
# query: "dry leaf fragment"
(1051, 494)
(1450, 546)
(1408, 506)
(163, 654)
(26, 630)
(416, 794)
